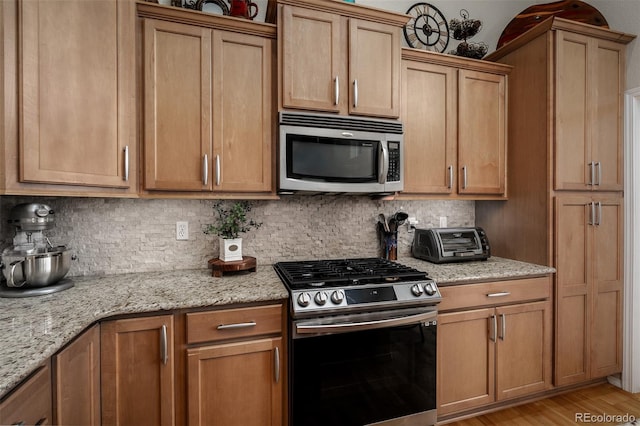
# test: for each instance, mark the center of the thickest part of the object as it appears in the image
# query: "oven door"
(361, 369)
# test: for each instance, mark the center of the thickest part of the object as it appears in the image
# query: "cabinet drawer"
(30, 403)
(494, 293)
(233, 323)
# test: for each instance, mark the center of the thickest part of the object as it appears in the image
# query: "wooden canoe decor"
(574, 10)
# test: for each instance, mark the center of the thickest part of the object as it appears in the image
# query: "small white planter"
(230, 249)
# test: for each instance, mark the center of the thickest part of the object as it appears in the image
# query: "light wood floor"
(563, 409)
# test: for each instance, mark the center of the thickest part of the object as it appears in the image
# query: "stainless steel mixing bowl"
(36, 269)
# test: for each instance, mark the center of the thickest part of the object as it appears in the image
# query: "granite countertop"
(34, 328)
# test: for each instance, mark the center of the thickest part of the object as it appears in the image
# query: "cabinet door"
(314, 68)
(77, 381)
(572, 97)
(466, 360)
(607, 135)
(30, 403)
(606, 322)
(523, 353)
(374, 69)
(573, 279)
(242, 112)
(77, 92)
(430, 127)
(481, 133)
(236, 384)
(137, 371)
(177, 106)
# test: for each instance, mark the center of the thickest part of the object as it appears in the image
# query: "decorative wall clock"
(427, 28)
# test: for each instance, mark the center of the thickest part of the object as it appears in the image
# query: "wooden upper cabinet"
(454, 116)
(429, 115)
(312, 60)
(77, 93)
(374, 69)
(339, 58)
(481, 133)
(208, 106)
(177, 106)
(588, 110)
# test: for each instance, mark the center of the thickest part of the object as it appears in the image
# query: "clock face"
(427, 28)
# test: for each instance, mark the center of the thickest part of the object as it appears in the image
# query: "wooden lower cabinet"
(493, 353)
(236, 383)
(30, 402)
(137, 371)
(76, 381)
(237, 377)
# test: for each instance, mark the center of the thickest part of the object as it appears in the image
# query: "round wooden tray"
(219, 267)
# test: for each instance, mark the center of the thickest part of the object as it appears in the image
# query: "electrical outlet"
(182, 230)
(443, 221)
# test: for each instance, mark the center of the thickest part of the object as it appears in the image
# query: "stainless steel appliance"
(32, 265)
(444, 245)
(362, 343)
(324, 153)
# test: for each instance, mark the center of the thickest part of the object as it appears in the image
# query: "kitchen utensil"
(382, 219)
(400, 217)
(38, 269)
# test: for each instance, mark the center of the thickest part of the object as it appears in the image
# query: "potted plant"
(231, 222)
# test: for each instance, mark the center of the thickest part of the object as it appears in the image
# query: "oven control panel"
(344, 299)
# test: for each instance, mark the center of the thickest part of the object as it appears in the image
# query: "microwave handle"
(383, 162)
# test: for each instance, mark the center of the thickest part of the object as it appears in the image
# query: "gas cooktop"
(344, 285)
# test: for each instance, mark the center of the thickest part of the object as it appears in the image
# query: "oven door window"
(363, 377)
(332, 159)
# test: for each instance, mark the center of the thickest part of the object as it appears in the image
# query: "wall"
(113, 236)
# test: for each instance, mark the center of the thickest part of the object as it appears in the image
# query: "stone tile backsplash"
(112, 236)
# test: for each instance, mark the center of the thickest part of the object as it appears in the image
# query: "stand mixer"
(32, 265)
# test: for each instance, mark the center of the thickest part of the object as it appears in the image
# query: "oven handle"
(338, 327)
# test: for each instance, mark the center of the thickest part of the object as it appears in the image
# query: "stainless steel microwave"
(324, 153)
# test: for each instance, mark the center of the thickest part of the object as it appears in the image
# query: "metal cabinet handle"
(592, 172)
(450, 169)
(276, 364)
(217, 170)
(355, 93)
(464, 177)
(592, 213)
(503, 328)
(337, 91)
(598, 218)
(126, 163)
(20, 423)
(494, 327)
(237, 325)
(205, 170)
(42, 421)
(164, 349)
(499, 294)
(598, 173)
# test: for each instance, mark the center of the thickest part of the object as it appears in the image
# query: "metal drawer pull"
(494, 326)
(598, 218)
(355, 93)
(337, 91)
(599, 173)
(450, 168)
(276, 363)
(500, 294)
(205, 169)
(237, 325)
(126, 163)
(164, 350)
(464, 177)
(592, 215)
(592, 172)
(217, 170)
(503, 320)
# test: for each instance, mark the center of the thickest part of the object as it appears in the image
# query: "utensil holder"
(388, 243)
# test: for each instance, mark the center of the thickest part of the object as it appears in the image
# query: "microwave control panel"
(393, 174)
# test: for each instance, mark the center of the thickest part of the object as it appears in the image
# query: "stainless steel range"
(362, 342)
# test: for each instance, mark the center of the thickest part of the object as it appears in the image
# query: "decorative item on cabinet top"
(464, 29)
(216, 6)
(427, 28)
